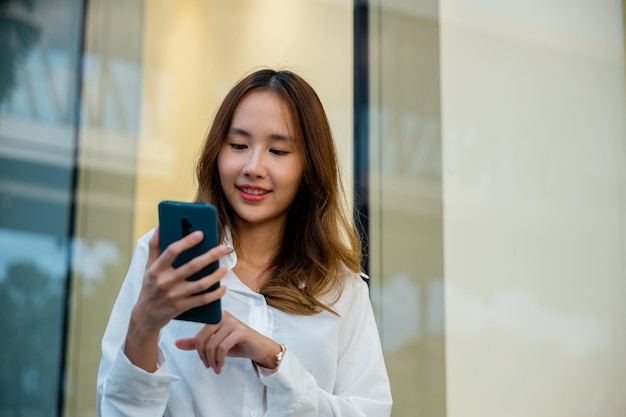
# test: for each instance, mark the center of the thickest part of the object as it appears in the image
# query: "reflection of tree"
(30, 328)
(17, 37)
(91, 306)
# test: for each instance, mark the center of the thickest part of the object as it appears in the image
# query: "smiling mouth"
(254, 191)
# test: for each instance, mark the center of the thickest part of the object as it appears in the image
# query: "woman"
(297, 335)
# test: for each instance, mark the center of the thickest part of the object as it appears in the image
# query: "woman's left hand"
(230, 337)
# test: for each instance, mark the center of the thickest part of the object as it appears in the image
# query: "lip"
(243, 191)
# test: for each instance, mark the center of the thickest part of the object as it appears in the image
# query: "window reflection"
(39, 51)
(31, 295)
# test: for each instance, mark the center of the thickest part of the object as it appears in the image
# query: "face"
(260, 164)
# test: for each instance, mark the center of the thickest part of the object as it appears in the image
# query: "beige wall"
(535, 208)
(195, 50)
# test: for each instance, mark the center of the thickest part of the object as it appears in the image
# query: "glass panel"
(110, 117)
(406, 227)
(39, 47)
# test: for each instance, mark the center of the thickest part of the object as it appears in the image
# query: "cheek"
(222, 173)
(297, 176)
(224, 166)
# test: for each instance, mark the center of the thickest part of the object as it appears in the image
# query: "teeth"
(251, 191)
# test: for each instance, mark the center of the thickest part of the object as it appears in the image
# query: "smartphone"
(177, 220)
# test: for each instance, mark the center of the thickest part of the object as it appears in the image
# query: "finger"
(201, 261)
(208, 297)
(232, 339)
(170, 253)
(208, 352)
(216, 348)
(153, 247)
(188, 343)
(201, 285)
(210, 348)
(190, 298)
(201, 340)
(187, 303)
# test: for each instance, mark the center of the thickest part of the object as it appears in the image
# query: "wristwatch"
(279, 359)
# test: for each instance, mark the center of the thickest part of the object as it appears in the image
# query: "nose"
(254, 165)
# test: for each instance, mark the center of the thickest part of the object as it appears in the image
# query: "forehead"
(263, 109)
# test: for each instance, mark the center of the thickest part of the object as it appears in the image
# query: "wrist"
(140, 331)
(141, 346)
(271, 363)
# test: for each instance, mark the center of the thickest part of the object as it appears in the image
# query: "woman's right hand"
(165, 293)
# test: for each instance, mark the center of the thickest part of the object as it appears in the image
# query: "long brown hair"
(320, 239)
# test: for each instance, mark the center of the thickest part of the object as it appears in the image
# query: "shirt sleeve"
(362, 385)
(123, 389)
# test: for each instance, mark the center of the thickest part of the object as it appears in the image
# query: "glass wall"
(107, 169)
(39, 81)
(406, 211)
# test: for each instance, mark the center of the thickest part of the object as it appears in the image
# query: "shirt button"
(253, 413)
(259, 302)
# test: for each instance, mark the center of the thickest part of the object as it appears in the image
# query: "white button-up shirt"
(333, 366)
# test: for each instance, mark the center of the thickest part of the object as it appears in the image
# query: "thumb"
(186, 344)
(154, 248)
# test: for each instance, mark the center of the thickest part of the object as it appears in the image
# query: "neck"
(255, 247)
(258, 242)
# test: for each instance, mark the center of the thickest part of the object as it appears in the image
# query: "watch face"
(279, 358)
(279, 355)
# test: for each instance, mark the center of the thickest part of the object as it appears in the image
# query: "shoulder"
(354, 291)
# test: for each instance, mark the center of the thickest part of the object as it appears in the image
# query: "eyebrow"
(273, 136)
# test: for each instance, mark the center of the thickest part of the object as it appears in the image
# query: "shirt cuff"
(134, 384)
(287, 387)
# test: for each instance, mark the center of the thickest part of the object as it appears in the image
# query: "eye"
(237, 146)
(278, 152)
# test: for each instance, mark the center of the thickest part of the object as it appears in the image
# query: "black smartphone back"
(177, 220)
